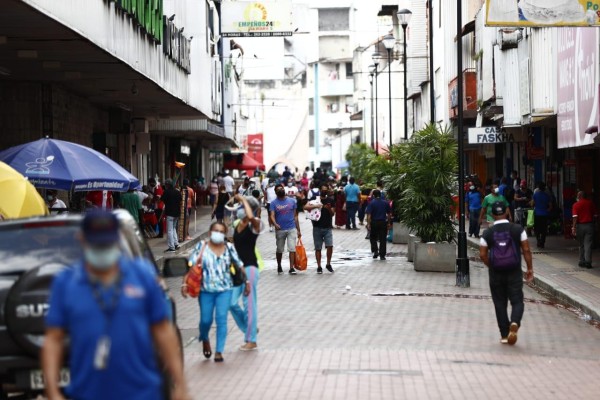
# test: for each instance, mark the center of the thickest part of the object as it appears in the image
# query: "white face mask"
(217, 237)
(241, 213)
(102, 259)
(497, 190)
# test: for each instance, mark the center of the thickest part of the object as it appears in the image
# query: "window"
(311, 138)
(348, 70)
(311, 106)
(334, 19)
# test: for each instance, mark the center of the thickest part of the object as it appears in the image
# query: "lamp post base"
(462, 272)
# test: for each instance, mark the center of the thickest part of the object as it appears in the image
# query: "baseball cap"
(498, 208)
(100, 228)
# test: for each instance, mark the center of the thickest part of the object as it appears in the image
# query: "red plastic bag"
(301, 261)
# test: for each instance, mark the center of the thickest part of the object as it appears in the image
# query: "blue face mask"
(241, 213)
(102, 259)
(217, 237)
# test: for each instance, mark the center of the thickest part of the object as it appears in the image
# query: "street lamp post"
(389, 41)
(376, 58)
(404, 18)
(371, 74)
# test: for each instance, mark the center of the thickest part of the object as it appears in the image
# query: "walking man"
(284, 217)
(117, 320)
(228, 182)
(352, 192)
(172, 199)
(542, 205)
(323, 228)
(379, 215)
(474, 203)
(500, 249)
(486, 209)
(584, 215)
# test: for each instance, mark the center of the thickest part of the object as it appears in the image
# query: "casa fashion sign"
(492, 135)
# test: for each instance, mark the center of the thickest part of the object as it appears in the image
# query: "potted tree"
(428, 174)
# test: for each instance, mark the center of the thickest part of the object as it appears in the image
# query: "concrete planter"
(412, 239)
(435, 257)
(401, 233)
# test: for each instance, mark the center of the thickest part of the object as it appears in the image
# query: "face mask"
(290, 184)
(497, 190)
(102, 259)
(217, 237)
(472, 187)
(324, 194)
(241, 213)
(50, 197)
(280, 193)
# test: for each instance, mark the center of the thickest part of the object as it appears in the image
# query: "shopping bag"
(301, 261)
(259, 260)
(530, 218)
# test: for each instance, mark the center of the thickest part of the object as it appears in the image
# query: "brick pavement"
(320, 340)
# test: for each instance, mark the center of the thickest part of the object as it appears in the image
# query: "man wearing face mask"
(284, 216)
(323, 228)
(56, 205)
(115, 315)
(486, 206)
(473, 210)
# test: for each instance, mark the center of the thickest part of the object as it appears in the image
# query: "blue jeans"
(351, 209)
(246, 318)
(211, 304)
(172, 238)
(474, 221)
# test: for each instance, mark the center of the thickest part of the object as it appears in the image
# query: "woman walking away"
(215, 295)
(244, 238)
(219, 206)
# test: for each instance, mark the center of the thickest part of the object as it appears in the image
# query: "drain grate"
(487, 364)
(373, 372)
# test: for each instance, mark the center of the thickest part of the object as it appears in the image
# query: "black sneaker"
(279, 270)
(170, 250)
(329, 268)
(375, 255)
(382, 258)
(588, 265)
(292, 271)
(582, 264)
(319, 270)
(177, 247)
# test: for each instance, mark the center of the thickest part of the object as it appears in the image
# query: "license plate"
(36, 379)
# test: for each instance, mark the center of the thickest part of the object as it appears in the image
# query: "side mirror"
(176, 266)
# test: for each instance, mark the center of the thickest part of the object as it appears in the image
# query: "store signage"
(256, 18)
(491, 135)
(577, 83)
(176, 46)
(543, 13)
(147, 14)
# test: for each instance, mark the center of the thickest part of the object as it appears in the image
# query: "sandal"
(218, 357)
(206, 350)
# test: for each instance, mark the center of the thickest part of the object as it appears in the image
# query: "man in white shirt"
(270, 196)
(228, 182)
(291, 190)
(56, 205)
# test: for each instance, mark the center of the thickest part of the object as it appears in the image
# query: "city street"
(380, 330)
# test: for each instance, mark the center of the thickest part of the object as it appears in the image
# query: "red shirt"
(584, 210)
(100, 199)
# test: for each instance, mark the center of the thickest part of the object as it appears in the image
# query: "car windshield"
(22, 249)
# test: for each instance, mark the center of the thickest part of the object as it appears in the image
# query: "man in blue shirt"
(379, 215)
(113, 311)
(473, 211)
(283, 214)
(541, 211)
(352, 192)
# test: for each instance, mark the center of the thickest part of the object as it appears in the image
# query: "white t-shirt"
(483, 243)
(143, 196)
(228, 182)
(271, 195)
(265, 183)
(291, 191)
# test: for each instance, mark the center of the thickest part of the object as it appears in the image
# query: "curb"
(558, 293)
(184, 247)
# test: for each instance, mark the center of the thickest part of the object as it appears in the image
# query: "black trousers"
(507, 286)
(540, 226)
(379, 234)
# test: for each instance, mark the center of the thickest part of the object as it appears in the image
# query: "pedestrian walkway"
(557, 272)
(379, 330)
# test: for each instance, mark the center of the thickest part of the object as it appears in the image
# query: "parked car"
(33, 251)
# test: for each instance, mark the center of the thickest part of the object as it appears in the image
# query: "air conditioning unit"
(509, 38)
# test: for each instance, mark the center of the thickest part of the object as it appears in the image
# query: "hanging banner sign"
(543, 13)
(256, 18)
(492, 135)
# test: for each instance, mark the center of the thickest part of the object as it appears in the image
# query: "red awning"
(242, 162)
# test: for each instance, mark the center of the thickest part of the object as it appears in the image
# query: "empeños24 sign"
(256, 18)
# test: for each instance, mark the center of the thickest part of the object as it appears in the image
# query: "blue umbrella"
(56, 164)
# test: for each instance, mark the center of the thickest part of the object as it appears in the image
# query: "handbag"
(193, 279)
(238, 274)
(301, 260)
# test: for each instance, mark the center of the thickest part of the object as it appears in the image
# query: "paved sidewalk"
(380, 330)
(556, 272)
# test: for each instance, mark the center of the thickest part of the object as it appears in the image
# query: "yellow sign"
(539, 13)
(256, 18)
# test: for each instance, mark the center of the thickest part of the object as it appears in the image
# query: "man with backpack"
(500, 249)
